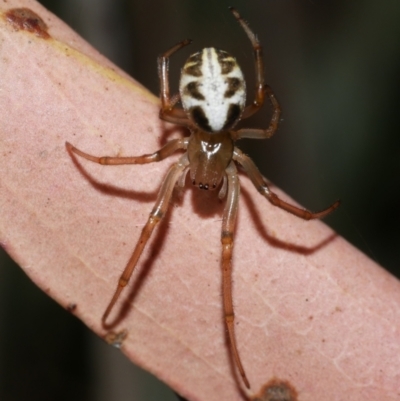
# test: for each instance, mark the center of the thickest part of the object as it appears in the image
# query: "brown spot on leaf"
(71, 307)
(25, 19)
(116, 339)
(277, 390)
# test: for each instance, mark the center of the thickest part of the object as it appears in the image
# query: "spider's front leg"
(262, 187)
(259, 67)
(167, 150)
(228, 225)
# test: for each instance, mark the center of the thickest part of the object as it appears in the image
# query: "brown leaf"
(310, 309)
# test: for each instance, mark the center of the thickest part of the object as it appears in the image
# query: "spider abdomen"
(213, 90)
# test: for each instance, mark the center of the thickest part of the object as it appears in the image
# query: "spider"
(212, 92)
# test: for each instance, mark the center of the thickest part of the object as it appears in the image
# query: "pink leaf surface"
(310, 309)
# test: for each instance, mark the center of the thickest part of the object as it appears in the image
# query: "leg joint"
(226, 237)
(156, 216)
(229, 318)
(265, 191)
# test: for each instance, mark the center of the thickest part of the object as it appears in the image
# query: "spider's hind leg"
(259, 67)
(256, 133)
(168, 111)
(262, 187)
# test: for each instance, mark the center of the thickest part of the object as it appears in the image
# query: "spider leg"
(158, 212)
(168, 111)
(262, 187)
(167, 150)
(259, 67)
(228, 224)
(262, 133)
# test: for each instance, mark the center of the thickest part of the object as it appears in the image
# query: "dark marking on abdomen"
(233, 85)
(226, 61)
(192, 89)
(232, 116)
(199, 117)
(195, 68)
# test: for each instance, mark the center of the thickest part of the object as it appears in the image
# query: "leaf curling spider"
(212, 91)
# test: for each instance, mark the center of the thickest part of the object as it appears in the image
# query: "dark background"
(334, 66)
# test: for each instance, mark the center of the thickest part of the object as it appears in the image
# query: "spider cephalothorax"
(212, 92)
